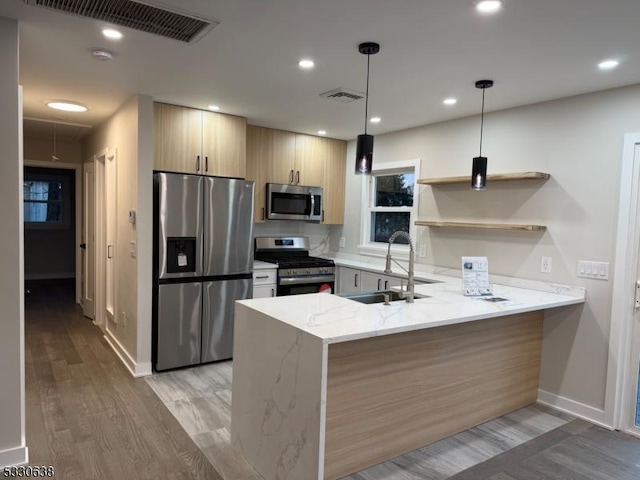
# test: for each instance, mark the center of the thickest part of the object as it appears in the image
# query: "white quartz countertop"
(335, 319)
(260, 265)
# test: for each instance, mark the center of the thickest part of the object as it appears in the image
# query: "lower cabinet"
(377, 281)
(265, 283)
(352, 280)
(349, 280)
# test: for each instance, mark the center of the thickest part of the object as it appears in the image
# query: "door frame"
(90, 163)
(617, 393)
(77, 167)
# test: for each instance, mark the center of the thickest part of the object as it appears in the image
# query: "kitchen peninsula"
(324, 386)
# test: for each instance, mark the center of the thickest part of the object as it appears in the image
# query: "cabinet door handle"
(291, 176)
(355, 280)
(386, 284)
(262, 277)
(262, 213)
(379, 284)
(198, 163)
(273, 292)
(298, 176)
(206, 164)
(322, 215)
(109, 251)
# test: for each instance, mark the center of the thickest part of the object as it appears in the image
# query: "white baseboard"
(577, 409)
(14, 456)
(137, 370)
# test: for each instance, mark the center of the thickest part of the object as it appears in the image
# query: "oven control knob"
(308, 271)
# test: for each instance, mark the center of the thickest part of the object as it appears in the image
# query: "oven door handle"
(304, 280)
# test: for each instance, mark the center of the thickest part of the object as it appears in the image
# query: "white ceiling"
(534, 50)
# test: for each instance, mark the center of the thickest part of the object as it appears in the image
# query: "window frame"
(65, 201)
(379, 249)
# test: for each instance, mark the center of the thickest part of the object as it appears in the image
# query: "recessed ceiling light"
(375, 120)
(306, 63)
(215, 108)
(488, 6)
(450, 101)
(322, 132)
(608, 64)
(112, 34)
(67, 106)
(102, 55)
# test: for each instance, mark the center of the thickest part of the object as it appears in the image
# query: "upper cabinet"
(276, 156)
(188, 140)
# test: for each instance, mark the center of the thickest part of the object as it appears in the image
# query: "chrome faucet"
(410, 292)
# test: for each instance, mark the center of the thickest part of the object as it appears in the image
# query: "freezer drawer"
(178, 325)
(217, 319)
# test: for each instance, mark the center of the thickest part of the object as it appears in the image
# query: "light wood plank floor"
(87, 417)
(85, 414)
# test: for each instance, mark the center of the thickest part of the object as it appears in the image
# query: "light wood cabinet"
(177, 141)
(188, 140)
(277, 156)
(224, 144)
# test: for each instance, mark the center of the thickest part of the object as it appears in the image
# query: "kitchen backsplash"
(323, 238)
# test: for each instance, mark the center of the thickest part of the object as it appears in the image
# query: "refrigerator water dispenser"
(181, 254)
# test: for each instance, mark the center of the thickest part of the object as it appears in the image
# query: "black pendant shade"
(364, 145)
(479, 170)
(364, 154)
(479, 173)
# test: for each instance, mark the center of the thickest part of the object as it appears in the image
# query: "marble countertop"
(260, 265)
(335, 319)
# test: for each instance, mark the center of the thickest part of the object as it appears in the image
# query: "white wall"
(12, 432)
(577, 140)
(129, 132)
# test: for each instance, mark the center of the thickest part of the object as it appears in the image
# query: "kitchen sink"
(377, 296)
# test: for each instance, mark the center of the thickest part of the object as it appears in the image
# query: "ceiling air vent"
(343, 95)
(135, 15)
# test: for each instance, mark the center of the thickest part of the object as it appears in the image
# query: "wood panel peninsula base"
(317, 396)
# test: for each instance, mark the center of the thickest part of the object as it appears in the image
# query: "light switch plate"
(596, 270)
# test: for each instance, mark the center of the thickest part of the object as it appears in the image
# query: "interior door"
(88, 281)
(633, 400)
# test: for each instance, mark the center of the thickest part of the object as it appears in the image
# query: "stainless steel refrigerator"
(203, 263)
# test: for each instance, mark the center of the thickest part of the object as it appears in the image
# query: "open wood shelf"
(492, 177)
(491, 226)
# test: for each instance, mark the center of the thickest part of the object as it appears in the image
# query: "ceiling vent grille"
(343, 95)
(135, 15)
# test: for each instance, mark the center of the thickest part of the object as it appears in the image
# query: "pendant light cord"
(366, 103)
(482, 120)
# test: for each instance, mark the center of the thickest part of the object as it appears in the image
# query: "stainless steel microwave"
(294, 202)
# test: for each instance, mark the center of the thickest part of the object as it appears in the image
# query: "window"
(46, 200)
(391, 205)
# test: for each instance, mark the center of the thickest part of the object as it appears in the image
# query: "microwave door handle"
(313, 205)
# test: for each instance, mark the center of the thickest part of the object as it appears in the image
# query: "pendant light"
(364, 144)
(479, 172)
(54, 157)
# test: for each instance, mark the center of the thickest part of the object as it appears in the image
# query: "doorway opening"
(49, 228)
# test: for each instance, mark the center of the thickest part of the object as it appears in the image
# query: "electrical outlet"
(545, 264)
(422, 251)
(343, 242)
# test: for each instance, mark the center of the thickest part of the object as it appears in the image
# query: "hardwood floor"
(90, 419)
(85, 414)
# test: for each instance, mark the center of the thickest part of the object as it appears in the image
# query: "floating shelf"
(492, 177)
(490, 226)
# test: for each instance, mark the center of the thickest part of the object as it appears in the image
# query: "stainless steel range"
(297, 271)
